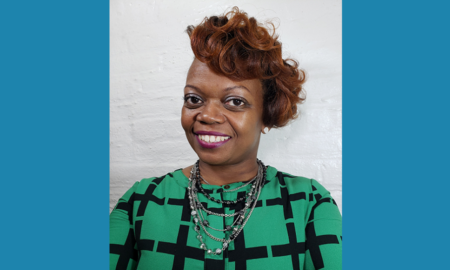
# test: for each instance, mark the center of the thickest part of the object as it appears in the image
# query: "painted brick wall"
(150, 56)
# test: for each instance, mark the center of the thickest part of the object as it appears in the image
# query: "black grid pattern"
(186, 255)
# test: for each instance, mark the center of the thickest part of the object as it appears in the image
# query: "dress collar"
(183, 181)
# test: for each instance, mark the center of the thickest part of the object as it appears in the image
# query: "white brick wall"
(150, 55)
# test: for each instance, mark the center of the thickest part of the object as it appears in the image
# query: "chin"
(212, 158)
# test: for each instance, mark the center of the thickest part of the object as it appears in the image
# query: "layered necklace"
(201, 225)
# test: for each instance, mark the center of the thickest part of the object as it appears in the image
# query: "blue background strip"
(396, 134)
(55, 134)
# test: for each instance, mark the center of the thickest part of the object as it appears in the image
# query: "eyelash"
(188, 97)
(243, 103)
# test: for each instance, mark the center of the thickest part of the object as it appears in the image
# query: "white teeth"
(208, 138)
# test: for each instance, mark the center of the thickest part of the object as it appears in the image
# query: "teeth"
(208, 138)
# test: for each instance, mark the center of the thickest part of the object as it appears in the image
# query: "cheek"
(248, 126)
(187, 119)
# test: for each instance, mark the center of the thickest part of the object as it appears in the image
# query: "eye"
(193, 100)
(235, 102)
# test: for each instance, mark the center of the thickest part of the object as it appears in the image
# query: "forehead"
(202, 76)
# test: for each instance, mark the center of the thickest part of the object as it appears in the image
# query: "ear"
(265, 130)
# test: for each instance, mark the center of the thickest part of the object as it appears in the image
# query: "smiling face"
(222, 118)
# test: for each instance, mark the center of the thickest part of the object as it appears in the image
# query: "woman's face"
(222, 118)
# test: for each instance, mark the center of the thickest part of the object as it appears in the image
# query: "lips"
(211, 139)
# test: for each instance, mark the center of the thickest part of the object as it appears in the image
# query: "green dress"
(295, 225)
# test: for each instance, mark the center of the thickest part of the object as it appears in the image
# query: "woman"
(229, 210)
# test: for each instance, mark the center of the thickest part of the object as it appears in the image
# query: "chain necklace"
(199, 186)
(200, 222)
(231, 190)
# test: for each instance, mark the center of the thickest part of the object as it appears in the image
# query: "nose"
(211, 113)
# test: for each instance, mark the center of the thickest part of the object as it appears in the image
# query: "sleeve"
(123, 254)
(323, 232)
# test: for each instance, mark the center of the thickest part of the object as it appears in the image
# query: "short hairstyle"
(240, 48)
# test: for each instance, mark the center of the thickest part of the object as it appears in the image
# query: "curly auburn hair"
(240, 48)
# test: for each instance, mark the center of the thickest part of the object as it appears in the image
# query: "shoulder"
(164, 182)
(312, 189)
(298, 183)
(319, 203)
(174, 177)
(156, 180)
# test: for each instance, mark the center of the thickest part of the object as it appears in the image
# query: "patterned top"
(295, 225)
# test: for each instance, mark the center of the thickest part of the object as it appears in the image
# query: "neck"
(226, 174)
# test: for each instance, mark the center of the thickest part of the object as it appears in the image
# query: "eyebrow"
(236, 86)
(226, 89)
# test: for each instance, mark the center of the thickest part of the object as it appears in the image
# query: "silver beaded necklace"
(200, 222)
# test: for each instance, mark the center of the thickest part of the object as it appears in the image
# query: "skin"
(216, 103)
